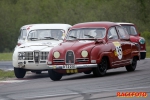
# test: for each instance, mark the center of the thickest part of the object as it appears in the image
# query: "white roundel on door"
(118, 51)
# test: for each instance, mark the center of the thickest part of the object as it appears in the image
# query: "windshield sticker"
(118, 50)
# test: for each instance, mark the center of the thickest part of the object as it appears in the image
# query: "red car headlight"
(142, 41)
(56, 54)
(84, 53)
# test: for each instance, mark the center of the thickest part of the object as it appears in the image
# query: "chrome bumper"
(75, 66)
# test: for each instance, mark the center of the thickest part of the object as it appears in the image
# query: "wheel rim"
(103, 66)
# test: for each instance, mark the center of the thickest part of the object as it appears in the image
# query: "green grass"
(6, 56)
(6, 74)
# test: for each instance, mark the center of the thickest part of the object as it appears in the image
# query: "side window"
(122, 33)
(112, 34)
(23, 34)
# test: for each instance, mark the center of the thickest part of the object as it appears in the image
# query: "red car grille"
(70, 58)
(82, 59)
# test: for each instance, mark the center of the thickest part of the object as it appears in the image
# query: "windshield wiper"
(73, 37)
(33, 38)
(89, 36)
(49, 37)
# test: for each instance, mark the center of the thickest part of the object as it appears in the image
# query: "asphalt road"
(80, 86)
(6, 65)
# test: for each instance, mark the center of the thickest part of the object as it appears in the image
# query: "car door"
(125, 45)
(116, 47)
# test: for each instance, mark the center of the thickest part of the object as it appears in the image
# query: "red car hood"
(75, 46)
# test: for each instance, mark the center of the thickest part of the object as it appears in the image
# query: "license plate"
(69, 67)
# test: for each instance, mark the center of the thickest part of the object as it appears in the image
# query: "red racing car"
(135, 37)
(93, 47)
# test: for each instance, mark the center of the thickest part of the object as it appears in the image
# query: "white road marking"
(13, 81)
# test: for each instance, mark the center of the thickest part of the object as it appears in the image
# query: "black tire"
(88, 72)
(38, 72)
(19, 72)
(132, 66)
(101, 68)
(54, 75)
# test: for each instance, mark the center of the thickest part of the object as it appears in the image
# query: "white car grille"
(32, 57)
(25, 56)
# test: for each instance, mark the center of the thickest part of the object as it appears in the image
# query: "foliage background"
(16, 13)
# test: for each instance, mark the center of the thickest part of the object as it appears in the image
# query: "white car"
(32, 55)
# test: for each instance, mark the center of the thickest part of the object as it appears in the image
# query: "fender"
(105, 54)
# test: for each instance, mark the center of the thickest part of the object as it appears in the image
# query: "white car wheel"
(19, 72)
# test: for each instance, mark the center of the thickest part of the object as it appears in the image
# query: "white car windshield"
(86, 33)
(45, 34)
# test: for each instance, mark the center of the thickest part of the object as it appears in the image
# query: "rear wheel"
(132, 66)
(54, 75)
(101, 68)
(19, 72)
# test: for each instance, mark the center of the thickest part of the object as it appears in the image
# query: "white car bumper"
(32, 66)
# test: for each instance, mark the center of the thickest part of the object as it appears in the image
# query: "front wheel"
(19, 72)
(101, 68)
(132, 66)
(54, 75)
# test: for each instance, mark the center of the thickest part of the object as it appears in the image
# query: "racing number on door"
(118, 51)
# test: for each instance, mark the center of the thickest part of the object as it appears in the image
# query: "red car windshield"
(86, 33)
(130, 29)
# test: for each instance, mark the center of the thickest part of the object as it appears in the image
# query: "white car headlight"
(142, 40)
(21, 55)
(84, 53)
(56, 54)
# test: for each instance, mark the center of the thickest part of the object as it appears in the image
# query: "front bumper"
(75, 66)
(142, 54)
(32, 66)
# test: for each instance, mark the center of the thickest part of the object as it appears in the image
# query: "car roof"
(104, 24)
(124, 23)
(45, 26)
